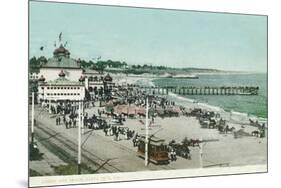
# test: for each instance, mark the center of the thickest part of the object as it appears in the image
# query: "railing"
(191, 90)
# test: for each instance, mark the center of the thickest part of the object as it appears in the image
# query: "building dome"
(61, 51)
(41, 79)
(108, 78)
(61, 74)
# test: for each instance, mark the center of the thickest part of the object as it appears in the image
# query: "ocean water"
(255, 105)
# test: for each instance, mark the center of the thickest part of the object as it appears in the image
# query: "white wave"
(211, 107)
(195, 102)
(259, 119)
(239, 114)
(181, 98)
(233, 115)
(145, 82)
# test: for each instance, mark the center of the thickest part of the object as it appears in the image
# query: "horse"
(183, 151)
(256, 133)
(228, 129)
(194, 142)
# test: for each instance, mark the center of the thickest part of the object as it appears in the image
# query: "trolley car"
(157, 150)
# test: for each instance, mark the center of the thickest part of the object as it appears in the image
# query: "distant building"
(93, 80)
(61, 61)
(33, 76)
(120, 68)
(108, 82)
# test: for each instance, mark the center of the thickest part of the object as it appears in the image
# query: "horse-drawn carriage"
(182, 149)
(258, 133)
(157, 150)
(225, 129)
(196, 112)
(95, 123)
(210, 123)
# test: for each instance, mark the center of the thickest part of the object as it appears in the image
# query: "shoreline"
(231, 116)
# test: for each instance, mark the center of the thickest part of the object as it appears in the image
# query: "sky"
(151, 36)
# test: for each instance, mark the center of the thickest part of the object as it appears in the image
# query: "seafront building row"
(62, 78)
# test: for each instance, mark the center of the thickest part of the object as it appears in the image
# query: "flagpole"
(146, 134)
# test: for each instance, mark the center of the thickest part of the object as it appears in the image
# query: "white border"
(147, 175)
(13, 37)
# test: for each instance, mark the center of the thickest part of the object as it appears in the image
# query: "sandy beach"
(147, 80)
(220, 149)
(225, 149)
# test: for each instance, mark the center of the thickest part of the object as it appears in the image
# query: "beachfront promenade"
(206, 90)
(100, 153)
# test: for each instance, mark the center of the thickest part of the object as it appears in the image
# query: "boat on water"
(185, 76)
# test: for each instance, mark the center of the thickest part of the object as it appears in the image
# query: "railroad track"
(67, 151)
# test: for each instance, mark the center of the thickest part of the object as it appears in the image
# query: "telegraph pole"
(79, 139)
(49, 105)
(82, 122)
(146, 134)
(32, 119)
(201, 153)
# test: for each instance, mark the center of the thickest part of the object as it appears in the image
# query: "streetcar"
(157, 150)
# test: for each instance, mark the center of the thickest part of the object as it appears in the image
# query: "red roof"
(125, 109)
(140, 110)
(131, 110)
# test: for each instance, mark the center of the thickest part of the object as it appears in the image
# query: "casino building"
(62, 79)
(60, 89)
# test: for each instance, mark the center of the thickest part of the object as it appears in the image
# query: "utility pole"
(50, 105)
(79, 138)
(146, 134)
(32, 119)
(82, 122)
(201, 153)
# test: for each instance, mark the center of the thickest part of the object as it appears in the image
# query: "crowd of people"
(117, 131)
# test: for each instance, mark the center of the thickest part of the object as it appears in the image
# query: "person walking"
(171, 155)
(70, 123)
(105, 131)
(66, 124)
(174, 155)
(117, 135)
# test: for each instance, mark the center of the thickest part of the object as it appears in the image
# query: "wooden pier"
(191, 90)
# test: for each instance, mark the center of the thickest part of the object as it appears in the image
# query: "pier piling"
(192, 90)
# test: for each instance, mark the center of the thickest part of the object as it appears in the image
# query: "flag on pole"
(60, 36)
